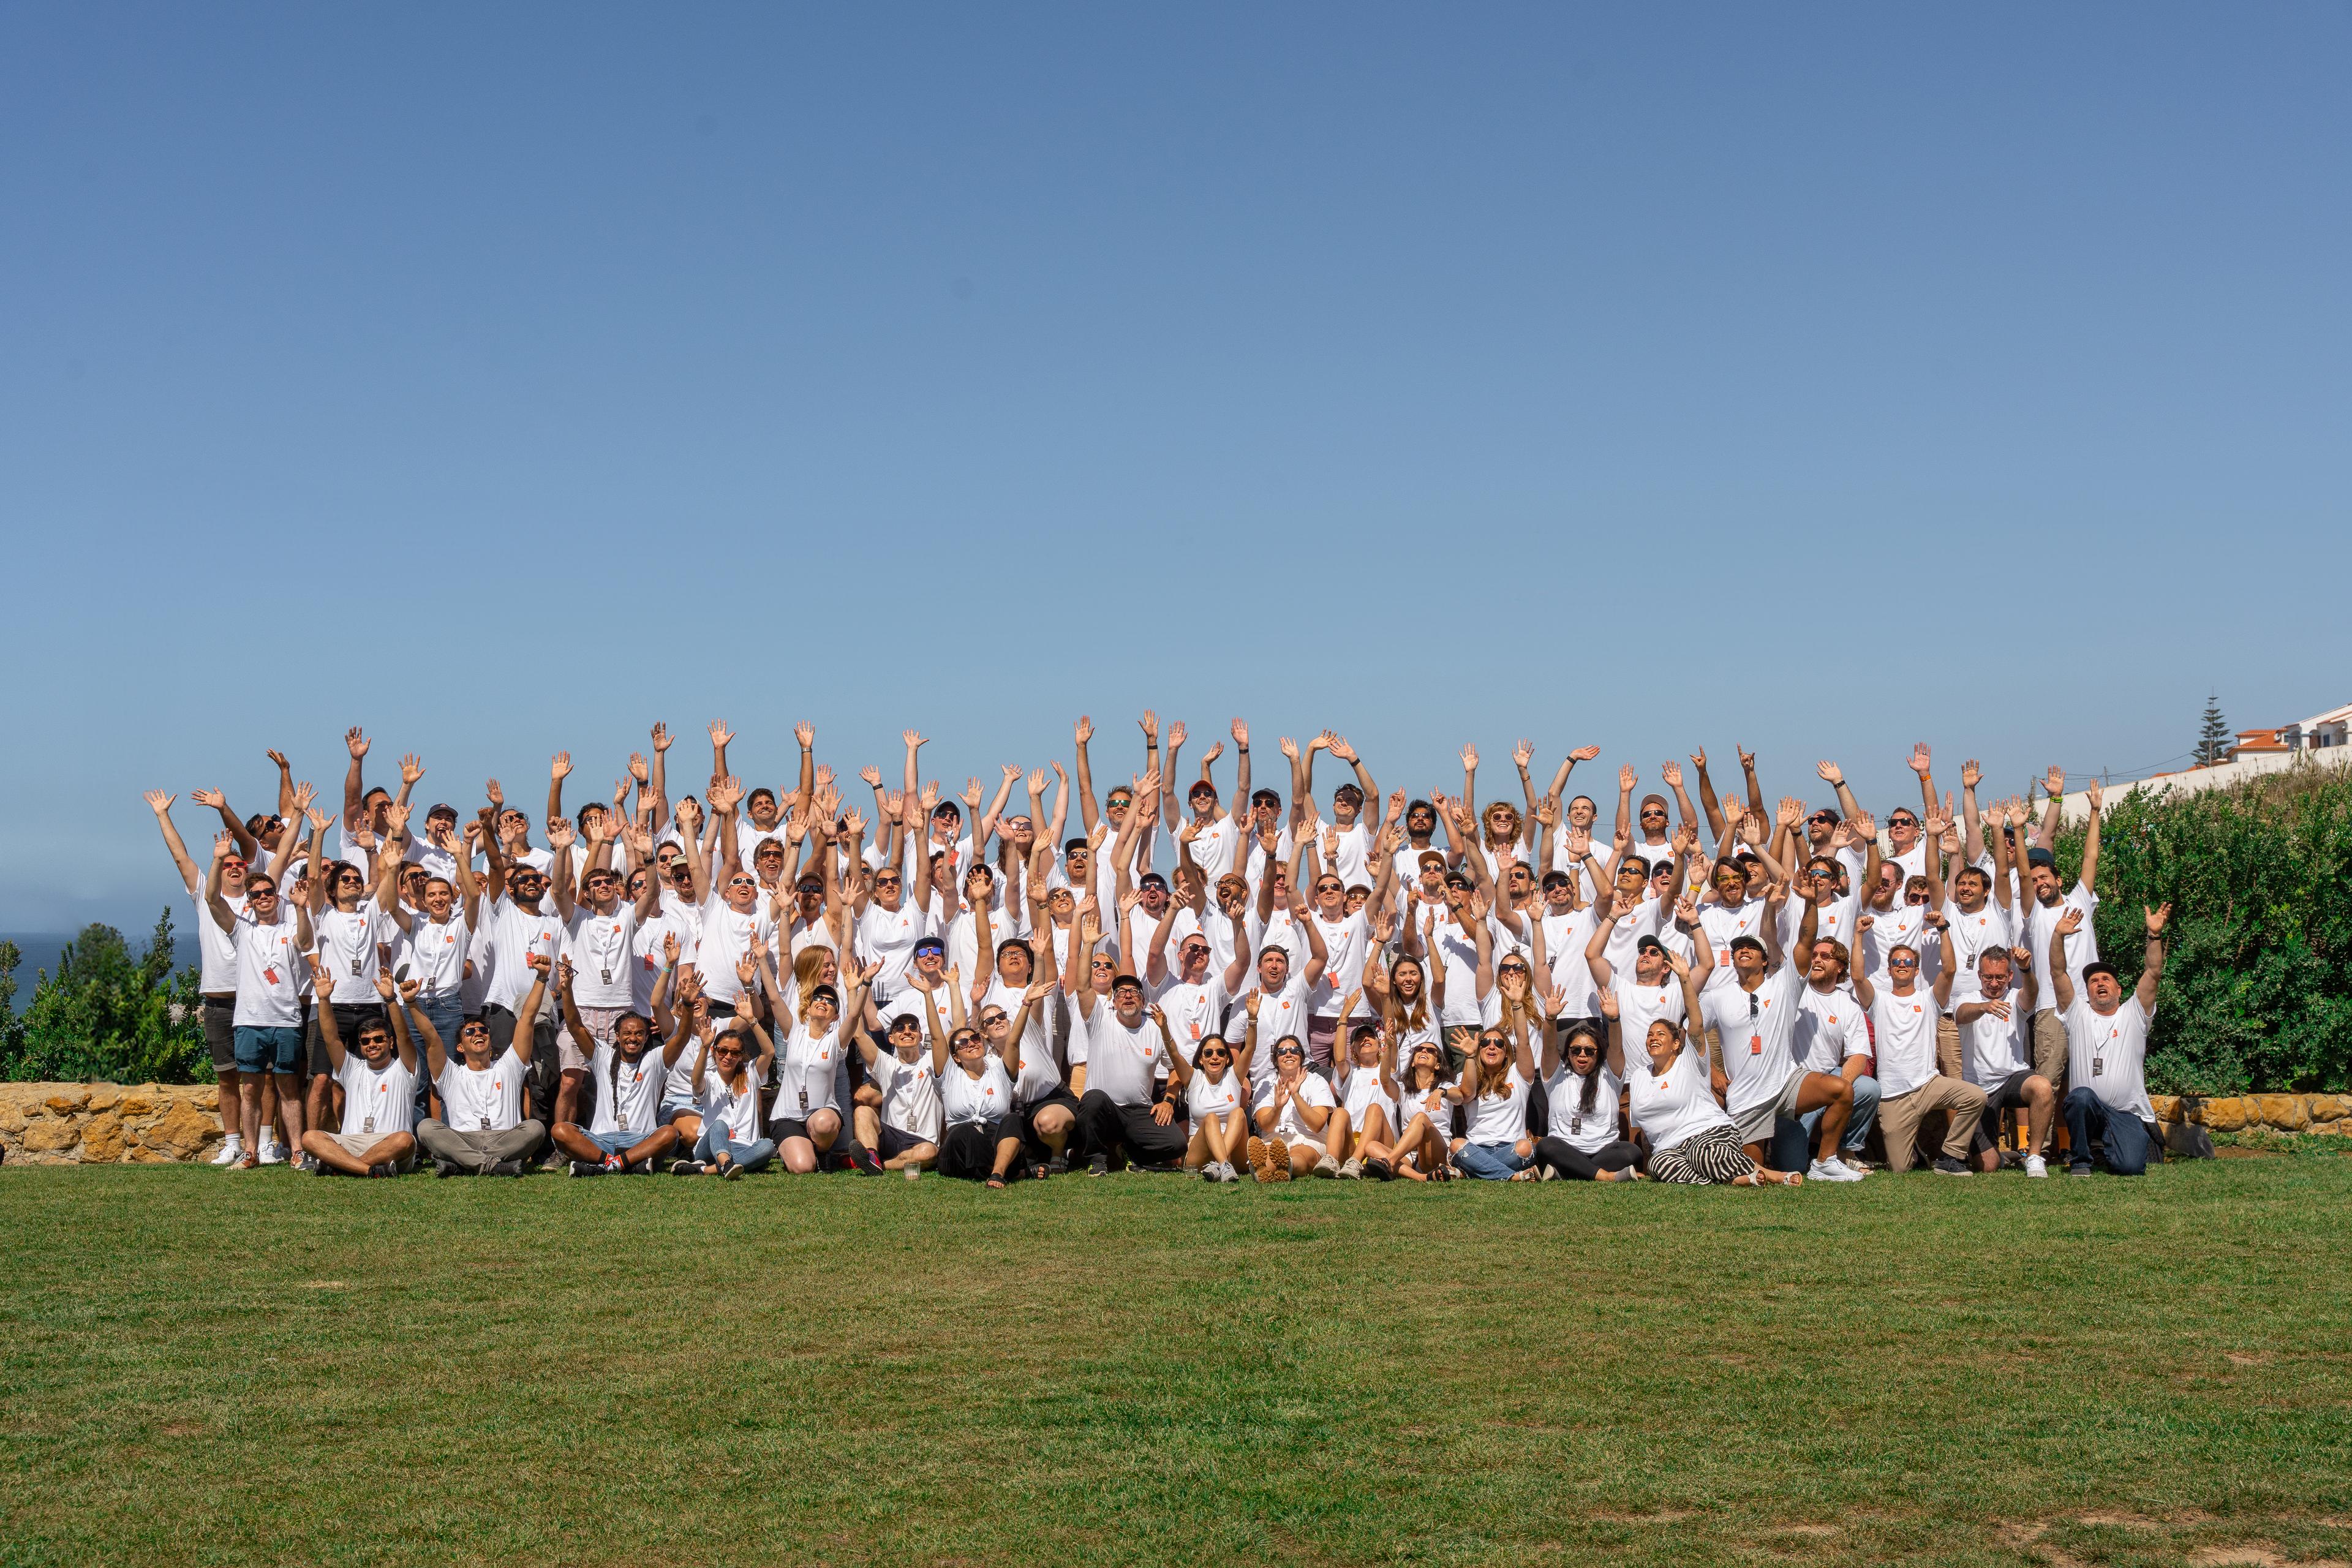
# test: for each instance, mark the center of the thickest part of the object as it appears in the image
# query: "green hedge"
(2257, 990)
(105, 1015)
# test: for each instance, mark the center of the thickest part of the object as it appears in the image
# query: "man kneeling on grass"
(626, 1132)
(2106, 1050)
(379, 1090)
(485, 1133)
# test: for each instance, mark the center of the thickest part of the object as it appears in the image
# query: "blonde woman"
(1423, 1115)
(1494, 1088)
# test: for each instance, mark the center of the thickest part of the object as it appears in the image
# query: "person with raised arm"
(598, 938)
(806, 1117)
(268, 936)
(1911, 1085)
(1494, 1088)
(1754, 1019)
(2050, 900)
(730, 1065)
(1366, 1088)
(216, 957)
(1216, 1082)
(1671, 1101)
(379, 1084)
(1286, 994)
(1124, 1042)
(627, 1131)
(350, 917)
(482, 1131)
(1345, 938)
(1996, 1028)
(517, 925)
(2106, 1040)
(980, 1139)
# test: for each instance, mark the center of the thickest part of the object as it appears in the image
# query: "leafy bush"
(2257, 990)
(105, 1015)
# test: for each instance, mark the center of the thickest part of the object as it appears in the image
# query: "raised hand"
(1747, 758)
(1970, 772)
(1149, 725)
(2097, 793)
(304, 794)
(822, 777)
(1176, 733)
(1012, 771)
(1240, 732)
(275, 755)
(1037, 781)
(1083, 729)
(319, 821)
(661, 739)
(224, 845)
(1865, 829)
(1791, 812)
(1337, 746)
(2071, 921)
(1831, 774)
(412, 768)
(1216, 748)
(395, 817)
(1126, 903)
(159, 802)
(2155, 919)
(638, 769)
(355, 742)
(1523, 752)
(208, 798)
(1547, 811)
(1627, 778)
(1289, 748)
(971, 794)
(495, 795)
(1672, 772)
(719, 734)
(559, 834)
(1698, 758)
(1580, 842)
(1919, 757)
(805, 733)
(1469, 758)
(2054, 781)
(560, 767)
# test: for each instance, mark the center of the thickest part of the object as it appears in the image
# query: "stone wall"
(2254, 1112)
(106, 1124)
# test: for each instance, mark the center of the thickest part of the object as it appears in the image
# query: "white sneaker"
(2036, 1167)
(231, 1151)
(1832, 1171)
(273, 1153)
(1845, 1172)
(1327, 1167)
(1353, 1170)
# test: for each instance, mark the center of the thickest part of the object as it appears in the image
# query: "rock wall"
(2249, 1112)
(106, 1124)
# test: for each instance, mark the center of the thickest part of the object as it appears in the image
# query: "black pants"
(968, 1150)
(1112, 1128)
(546, 1067)
(1578, 1166)
(1538, 1110)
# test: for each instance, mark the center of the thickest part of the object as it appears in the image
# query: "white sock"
(235, 1140)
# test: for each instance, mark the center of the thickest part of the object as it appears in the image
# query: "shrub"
(105, 1015)
(2257, 990)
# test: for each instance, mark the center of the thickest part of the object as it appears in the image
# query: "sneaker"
(731, 1172)
(1277, 1161)
(1834, 1170)
(382, 1170)
(1325, 1166)
(1213, 1171)
(867, 1162)
(2036, 1167)
(230, 1152)
(1261, 1161)
(316, 1167)
(583, 1168)
(248, 1161)
(1545, 1173)
(273, 1153)
(615, 1165)
(444, 1168)
(1059, 1165)
(685, 1167)
(1353, 1170)
(2081, 1168)
(505, 1168)
(1098, 1166)
(1947, 1167)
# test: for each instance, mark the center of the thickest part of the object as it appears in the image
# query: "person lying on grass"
(626, 1132)
(379, 1087)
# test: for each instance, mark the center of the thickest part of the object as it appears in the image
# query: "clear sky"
(503, 378)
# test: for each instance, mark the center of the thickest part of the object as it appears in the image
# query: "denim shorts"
(614, 1142)
(269, 1049)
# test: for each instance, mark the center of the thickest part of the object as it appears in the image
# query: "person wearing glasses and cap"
(2050, 900)
(1754, 1017)
(1911, 1087)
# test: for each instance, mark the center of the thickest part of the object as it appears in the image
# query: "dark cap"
(1129, 981)
(2038, 856)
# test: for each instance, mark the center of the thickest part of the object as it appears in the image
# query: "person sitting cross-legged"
(379, 1084)
(481, 1130)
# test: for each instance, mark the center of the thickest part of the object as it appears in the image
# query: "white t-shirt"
(737, 1113)
(1205, 1099)
(216, 949)
(968, 1102)
(1289, 1124)
(889, 936)
(805, 1066)
(376, 1100)
(1495, 1118)
(1639, 1005)
(1195, 1011)
(600, 948)
(1973, 933)
(1904, 925)
(1722, 923)
(349, 942)
(1588, 1130)
(434, 953)
(911, 1092)
(1347, 940)
(2108, 1053)
(628, 1093)
(2082, 946)
(1672, 1107)
(1906, 1044)
(1359, 1089)
(489, 1100)
(1120, 1059)
(1565, 937)
(1757, 1056)
(1457, 949)
(269, 969)
(727, 935)
(516, 933)
(1992, 1048)
(1829, 1029)
(646, 956)
(1278, 1013)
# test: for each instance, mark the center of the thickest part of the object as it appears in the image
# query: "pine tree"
(2213, 740)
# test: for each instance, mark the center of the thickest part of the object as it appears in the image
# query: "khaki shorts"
(357, 1144)
(1756, 1125)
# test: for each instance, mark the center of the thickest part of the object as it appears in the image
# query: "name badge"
(367, 1124)
(1576, 1124)
(607, 974)
(1755, 1045)
(804, 1094)
(485, 1124)
(2098, 1065)
(355, 968)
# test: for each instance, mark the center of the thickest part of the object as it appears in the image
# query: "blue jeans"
(2122, 1136)
(445, 1013)
(1857, 1126)
(714, 1142)
(1492, 1162)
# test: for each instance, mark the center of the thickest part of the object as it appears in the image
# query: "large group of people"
(1729, 989)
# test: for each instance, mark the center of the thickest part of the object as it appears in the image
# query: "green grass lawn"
(1148, 1369)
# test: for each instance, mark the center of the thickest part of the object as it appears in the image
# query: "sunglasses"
(1584, 1050)
(889, 881)
(1902, 963)
(990, 1020)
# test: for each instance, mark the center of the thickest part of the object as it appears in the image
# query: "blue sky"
(1820, 378)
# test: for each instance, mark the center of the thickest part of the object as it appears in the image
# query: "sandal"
(996, 1181)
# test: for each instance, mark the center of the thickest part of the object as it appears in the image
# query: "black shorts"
(2008, 1094)
(349, 1017)
(893, 1142)
(220, 1032)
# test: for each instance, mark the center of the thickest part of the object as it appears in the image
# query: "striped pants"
(1714, 1155)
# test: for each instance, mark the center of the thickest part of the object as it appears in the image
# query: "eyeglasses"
(1901, 822)
(1653, 811)
(741, 882)
(991, 1020)
(1902, 963)
(880, 882)
(1825, 818)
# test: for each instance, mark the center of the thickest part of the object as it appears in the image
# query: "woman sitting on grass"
(733, 1067)
(1367, 1092)
(1299, 1121)
(980, 1136)
(806, 1119)
(1424, 1114)
(1691, 1140)
(1493, 1087)
(1217, 1097)
(1584, 1084)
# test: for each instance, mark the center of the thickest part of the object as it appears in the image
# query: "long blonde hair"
(808, 973)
